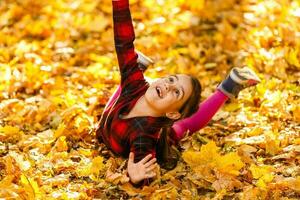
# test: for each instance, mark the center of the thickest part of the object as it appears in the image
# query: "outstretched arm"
(207, 109)
(124, 37)
(237, 80)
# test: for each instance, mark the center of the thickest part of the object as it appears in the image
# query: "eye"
(171, 79)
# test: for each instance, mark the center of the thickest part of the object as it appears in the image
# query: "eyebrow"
(180, 86)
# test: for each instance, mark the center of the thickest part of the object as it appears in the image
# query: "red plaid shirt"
(137, 134)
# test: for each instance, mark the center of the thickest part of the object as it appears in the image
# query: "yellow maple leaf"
(9, 190)
(208, 154)
(262, 182)
(232, 107)
(259, 171)
(292, 57)
(255, 131)
(61, 144)
(192, 158)
(297, 141)
(31, 187)
(93, 168)
(295, 184)
(272, 143)
(70, 99)
(97, 165)
(193, 5)
(6, 181)
(230, 163)
(10, 133)
(296, 112)
(60, 130)
(85, 152)
(263, 174)
(209, 151)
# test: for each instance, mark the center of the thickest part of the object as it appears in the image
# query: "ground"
(58, 68)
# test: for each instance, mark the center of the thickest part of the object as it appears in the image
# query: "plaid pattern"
(138, 134)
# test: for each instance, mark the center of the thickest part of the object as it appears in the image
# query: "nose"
(169, 86)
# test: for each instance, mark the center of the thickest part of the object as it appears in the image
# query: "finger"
(151, 168)
(150, 175)
(131, 158)
(144, 160)
(151, 162)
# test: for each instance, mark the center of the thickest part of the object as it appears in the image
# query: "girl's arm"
(207, 109)
(237, 80)
(124, 37)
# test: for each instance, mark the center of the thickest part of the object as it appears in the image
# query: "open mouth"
(159, 92)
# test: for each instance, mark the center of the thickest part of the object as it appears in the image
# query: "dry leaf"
(58, 68)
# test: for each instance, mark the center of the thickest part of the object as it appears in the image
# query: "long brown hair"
(167, 156)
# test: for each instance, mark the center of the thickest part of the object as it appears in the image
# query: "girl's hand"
(141, 170)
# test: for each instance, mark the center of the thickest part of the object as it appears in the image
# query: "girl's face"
(168, 94)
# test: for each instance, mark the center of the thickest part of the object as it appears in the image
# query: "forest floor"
(58, 68)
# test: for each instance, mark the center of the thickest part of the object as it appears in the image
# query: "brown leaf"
(225, 181)
(132, 191)
(57, 181)
(245, 152)
(116, 178)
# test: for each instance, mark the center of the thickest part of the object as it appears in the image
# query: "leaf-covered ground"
(58, 68)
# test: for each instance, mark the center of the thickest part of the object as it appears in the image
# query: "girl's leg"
(207, 109)
(115, 95)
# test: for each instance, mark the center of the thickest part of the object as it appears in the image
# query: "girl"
(139, 118)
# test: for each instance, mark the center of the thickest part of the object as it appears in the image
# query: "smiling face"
(167, 95)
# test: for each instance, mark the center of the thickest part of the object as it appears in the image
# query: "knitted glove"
(237, 80)
(143, 61)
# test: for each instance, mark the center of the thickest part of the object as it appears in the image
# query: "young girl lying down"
(141, 120)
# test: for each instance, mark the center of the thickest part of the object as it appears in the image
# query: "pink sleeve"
(206, 111)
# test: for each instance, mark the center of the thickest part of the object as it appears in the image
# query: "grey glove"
(237, 80)
(143, 61)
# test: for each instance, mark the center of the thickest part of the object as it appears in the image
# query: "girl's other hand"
(141, 170)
